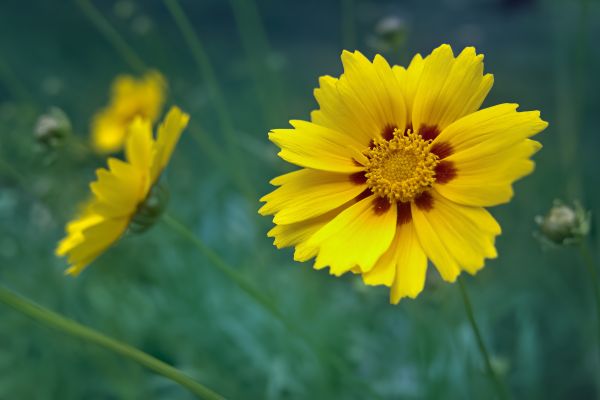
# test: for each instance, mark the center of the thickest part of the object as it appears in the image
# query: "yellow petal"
(373, 89)
(74, 232)
(489, 152)
(492, 128)
(335, 114)
(411, 265)
(455, 236)
(408, 80)
(365, 100)
(486, 180)
(97, 239)
(403, 266)
(169, 133)
(108, 132)
(299, 232)
(358, 236)
(133, 97)
(139, 147)
(449, 87)
(313, 146)
(308, 193)
(118, 190)
(130, 97)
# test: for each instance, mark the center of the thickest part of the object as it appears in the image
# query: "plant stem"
(208, 73)
(588, 260)
(218, 262)
(67, 326)
(480, 343)
(267, 82)
(111, 34)
(269, 305)
(14, 173)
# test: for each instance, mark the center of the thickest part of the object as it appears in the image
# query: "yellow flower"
(121, 190)
(398, 165)
(130, 97)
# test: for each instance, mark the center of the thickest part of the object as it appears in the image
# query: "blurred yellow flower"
(130, 97)
(121, 190)
(398, 165)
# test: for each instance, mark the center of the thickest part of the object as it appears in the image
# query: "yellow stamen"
(402, 168)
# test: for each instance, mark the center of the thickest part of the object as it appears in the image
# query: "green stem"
(14, 173)
(588, 260)
(256, 45)
(218, 262)
(67, 326)
(264, 301)
(208, 73)
(480, 343)
(111, 34)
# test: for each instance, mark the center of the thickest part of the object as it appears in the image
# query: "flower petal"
(449, 87)
(308, 193)
(454, 236)
(118, 190)
(97, 238)
(363, 101)
(411, 265)
(403, 266)
(139, 146)
(168, 135)
(358, 236)
(489, 152)
(409, 79)
(313, 146)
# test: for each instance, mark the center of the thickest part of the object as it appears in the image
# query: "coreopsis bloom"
(130, 97)
(397, 167)
(123, 191)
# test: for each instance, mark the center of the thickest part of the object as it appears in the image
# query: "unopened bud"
(564, 224)
(52, 128)
(150, 210)
(389, 34)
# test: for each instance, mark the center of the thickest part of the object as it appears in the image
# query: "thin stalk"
(69, 327)
(502, 392)
(588, 260)
(256, 46)
(111, 34)
(348, 16)
(208, 73)
(13, 173)
(267, 303)
(221, 265)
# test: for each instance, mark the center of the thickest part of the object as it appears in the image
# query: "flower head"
(564, 224)
(130, 98)
(397, 167)
(52, 128)
(120, 192)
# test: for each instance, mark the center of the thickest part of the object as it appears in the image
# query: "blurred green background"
(157, 292)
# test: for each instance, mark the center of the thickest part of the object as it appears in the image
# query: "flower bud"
(52, 128)
(389, 34)
(564, 224)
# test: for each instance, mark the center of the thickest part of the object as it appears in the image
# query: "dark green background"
(157, 292)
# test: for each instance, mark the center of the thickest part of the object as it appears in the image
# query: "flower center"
(401, 168)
